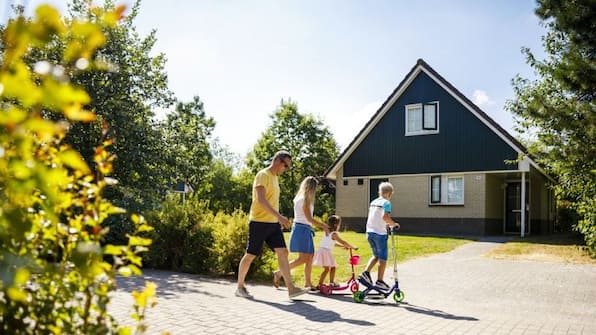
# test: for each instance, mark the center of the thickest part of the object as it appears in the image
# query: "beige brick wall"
(411, 198)
(351, 200)
(495, 196)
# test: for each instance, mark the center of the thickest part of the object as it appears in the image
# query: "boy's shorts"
(259, 232)
(378, 244)
(301, 239)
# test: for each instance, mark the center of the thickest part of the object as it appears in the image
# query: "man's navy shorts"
(264, 232)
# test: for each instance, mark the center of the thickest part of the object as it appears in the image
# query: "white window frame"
(427, 126)
(446, 197)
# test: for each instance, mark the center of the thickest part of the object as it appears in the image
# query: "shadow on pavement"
(313, 313)
(380, 301)
(169, 284)
(434, 312)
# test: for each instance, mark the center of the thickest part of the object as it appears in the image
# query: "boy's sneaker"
(382, 286)
(296, 292)
(365, 278)
(243, 293)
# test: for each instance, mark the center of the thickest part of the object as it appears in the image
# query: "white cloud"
(482, 99)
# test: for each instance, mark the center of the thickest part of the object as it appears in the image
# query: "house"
(454, 169)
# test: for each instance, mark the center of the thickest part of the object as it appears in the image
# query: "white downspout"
(523, 204)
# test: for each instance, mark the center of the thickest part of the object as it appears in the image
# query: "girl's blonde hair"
(333, 222)
(308, 186)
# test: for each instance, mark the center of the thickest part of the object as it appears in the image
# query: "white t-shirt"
(376, 211)
(299, 215)
(327, 241)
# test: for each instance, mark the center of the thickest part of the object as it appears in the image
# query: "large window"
(447, 190)
(422, 118)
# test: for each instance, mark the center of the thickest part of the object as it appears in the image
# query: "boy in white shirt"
(376, 230)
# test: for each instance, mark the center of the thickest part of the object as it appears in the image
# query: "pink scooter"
(352, 282)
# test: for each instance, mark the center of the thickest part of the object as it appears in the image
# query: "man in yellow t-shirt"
(265, 223)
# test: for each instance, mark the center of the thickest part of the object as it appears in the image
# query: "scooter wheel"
(354, 287)
(325, 290)
(399, 296)
(358, 296)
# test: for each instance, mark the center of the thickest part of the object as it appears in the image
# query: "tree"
(55, 279)
(558, 107)
(186, 134)
(230, 185)
(126, 85)
(311, 145)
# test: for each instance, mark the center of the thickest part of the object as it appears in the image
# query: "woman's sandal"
(275, 279)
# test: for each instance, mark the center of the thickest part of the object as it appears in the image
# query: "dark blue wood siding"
(464, 143)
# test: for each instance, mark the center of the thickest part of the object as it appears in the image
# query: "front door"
(513, 208)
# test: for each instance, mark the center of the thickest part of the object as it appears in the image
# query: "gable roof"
(422, 66)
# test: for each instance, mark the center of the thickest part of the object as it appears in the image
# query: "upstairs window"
(446, 190)
(422, 118)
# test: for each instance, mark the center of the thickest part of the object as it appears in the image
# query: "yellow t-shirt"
(268, 180)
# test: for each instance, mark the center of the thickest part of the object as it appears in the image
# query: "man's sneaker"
(365, 278)
(382, 286)
(296, 292)
(243, 293)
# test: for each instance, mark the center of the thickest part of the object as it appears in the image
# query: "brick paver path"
(460, 292)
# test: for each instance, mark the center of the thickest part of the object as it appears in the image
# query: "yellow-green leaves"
(84, 38)
(18, 84)
(48, 22)
(75, 112)
(16, 291)
(52, 212)
(147, 297)
(74, 160)
(144, 299)
(11, 117)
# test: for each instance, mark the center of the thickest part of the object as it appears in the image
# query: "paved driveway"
(460, 292)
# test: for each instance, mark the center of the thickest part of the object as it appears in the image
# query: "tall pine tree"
(558, 107)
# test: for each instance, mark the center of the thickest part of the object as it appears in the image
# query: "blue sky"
(338, 59)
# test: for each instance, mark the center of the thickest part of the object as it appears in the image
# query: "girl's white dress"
(323, 256)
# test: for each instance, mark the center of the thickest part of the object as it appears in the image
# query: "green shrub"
(53, 277)
(182, 240)
(567, 216)
(197, 257)
(230, 234)
(229, 241)
(188, 237)
(587, 225)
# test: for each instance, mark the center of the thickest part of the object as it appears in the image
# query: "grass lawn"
(566, 248)
(408, 247)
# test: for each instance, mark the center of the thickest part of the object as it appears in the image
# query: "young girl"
(324, 257)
